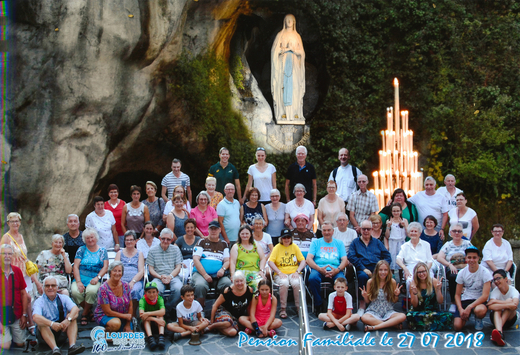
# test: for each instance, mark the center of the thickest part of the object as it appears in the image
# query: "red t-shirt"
(117, 212)
(7, 293)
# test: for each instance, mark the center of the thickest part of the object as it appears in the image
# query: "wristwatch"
(69, 319)
(99, 277)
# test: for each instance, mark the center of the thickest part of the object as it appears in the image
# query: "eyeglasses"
(168, 239)
(51, 286)
(7, 254)
(362, 182)
(497, 279)
(496, 232)
(456, 231)
(14, 222)
(366, 229)
(129, 240)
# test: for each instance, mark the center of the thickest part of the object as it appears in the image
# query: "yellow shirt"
(286, 259)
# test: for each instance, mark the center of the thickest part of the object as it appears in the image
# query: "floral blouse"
(50, 264)
(117, 304)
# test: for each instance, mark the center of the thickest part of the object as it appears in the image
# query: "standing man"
(428, 203)
(13, 324)
(301, 172)
(174, 178)
(164, 264)
(327, 259)
(361, 204)
(345, 176)
(73, 238)
(225, 173)
(55, 314)
(449, 191)
(228, 211)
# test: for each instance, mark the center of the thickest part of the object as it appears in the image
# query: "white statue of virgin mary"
(288, 73)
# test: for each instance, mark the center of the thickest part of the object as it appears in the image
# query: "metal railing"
(303, 321)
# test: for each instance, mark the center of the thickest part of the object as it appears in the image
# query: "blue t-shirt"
(327, 253)
(91, 263)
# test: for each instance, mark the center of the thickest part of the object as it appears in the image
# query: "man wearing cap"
(225, 173)
(327, 259)
(476, 283)
(287, 261)
(228, 211)
(164, 264)
(211, 260)
(302, 236)
(55, 314)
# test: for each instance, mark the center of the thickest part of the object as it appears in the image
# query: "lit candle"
(376, 182)
(388, 117)
(391, 119)
(396, 103)
(383, 137)
(415, 161)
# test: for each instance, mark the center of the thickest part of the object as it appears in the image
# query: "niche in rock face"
(253, 40)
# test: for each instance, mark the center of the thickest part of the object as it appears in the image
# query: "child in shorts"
(339, 310)
(151, 312)
(189, 314)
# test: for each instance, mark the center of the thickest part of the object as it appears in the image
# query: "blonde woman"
(215, 196)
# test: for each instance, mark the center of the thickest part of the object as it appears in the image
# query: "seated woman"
(261, 319)
(426, 296)
(287, 269)
(177, 217)
(252, 208)
(133, 262)
(90, 264)
(262, 239)
(464, 215)
(114, 310)
(231, 305)
(186, 244)
(382, 293)
(430, 235)
(54, 262)
(214, 196)
(497, 253)
(203, 214)
(148, 241)
(413, 252)
(453, 257)
(246, 256)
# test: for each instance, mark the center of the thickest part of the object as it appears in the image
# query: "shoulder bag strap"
(19, 247)
(60, 309)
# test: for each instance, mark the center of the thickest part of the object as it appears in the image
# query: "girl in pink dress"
(263, 309)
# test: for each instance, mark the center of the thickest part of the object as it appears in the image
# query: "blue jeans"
(175, 295)
(315, 280)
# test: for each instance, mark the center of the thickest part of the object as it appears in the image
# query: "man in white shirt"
(449, 191)
(341, 232)
(476, 283)
(503, 303)
(174, 178)
(428, 203)
(345, 176)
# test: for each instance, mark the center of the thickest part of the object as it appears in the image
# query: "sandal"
(84, 320)
(272, 333)
(399, 326)
(369, 328)
(283, 313)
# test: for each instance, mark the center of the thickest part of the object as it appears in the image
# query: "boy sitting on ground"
(189, 314)
(503, 303)
(151, 312)
(339, 310)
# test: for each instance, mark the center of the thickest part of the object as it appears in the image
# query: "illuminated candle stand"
(397, 160)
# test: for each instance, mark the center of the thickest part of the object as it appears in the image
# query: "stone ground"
(218, 345)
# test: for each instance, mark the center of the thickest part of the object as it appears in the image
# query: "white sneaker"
(478, 324)
(360, 312)
(453, 308)
(347, 327)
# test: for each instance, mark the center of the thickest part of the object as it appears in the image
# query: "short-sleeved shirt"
(499, 255)
(287, 258)
(164, 262)
(49, 309)
(263, 181)
(465, 220)
(117, 304)
(276, 219)
(103, 225)
(143, 247)
(264, 243)
(456, 255)
(186, 249)
(212, 254)
(305, 176)
(443, 191)
(144, 306)
(189, 315)
(224, 176)
(345, 181)
(72, 244)
(473, 282)
(411, 256)
(237, 305)
(303, 240)
(335, 299)
(330, 210)
(170, 181)
(91, 263)
(203, 219)
(293, 210)
(346, 237)
(363, 204)
(426, 205)
(6, 284)
(511, 293)
(327, 253)
(231, 213)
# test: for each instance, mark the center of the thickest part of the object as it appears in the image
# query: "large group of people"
(170, 254)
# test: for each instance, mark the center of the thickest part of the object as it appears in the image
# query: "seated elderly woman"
(203, 214)
(133, 262)
(248, 257)
(90, 264)
(262, 239)
(252, 208)
(497, 253)
(54, 262)
(114, 310)
(287, 262)
(413, 252)
(297, 206)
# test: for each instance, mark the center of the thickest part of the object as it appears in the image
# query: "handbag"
(8, 316)
(30, 267)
